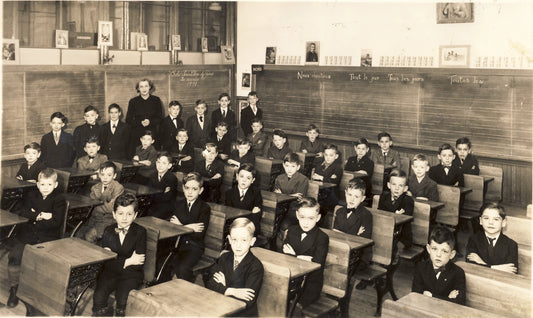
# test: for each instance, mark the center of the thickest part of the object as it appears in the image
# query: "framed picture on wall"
(455, 12)
(454, 55)
(312, 52)
(245, 80)
(270, 57)
(142, 42)
(227, 54)
(205, 47)
(105, 33)
(61, 39)
(176, 42)
(10, 51)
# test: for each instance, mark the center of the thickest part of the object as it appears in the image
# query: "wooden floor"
(362, 302)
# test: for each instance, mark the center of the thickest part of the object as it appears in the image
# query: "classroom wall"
(388, 29)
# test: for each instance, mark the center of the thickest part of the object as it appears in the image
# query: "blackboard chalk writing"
(358, 77)
(257, 68)
(374, 79)
(319, 76)
(393, 78)
(417, 79)
(192, 77)
(457, 79)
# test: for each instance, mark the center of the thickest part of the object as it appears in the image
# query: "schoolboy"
(30, 169)
(245, 196)
(184, 153)
(312, 144)
(169, 127)
(92, 160)
(439, 277)
(465, 160)
(45, 210)
(397, 201)
(258, 138)
(212, 169)
(362, 164)
(279, 147)
(57, 146)
(192, 213)
(222, 140)
(125, 272)
(306, 241)
(223, 113)
(242, 154)
(89, 129)
(106, 191)
(249, 113)
(239, 273)
(445, 172)
(199, 125)
(330, 170)
(420, 185)
(386, 156)
(115, 135)
(491, 247)
(145, 154)
(166, 181)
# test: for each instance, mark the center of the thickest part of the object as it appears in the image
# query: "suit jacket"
(224, 145)
(82, 133)
(147, 154)
(31, 173)
(467, 166)
(198, 136)
(365, 164)
(83, 163)
(216, 117)
(116, 146)
(248, 274)
(392, 160)
(451, 278)
(454, 175)
(252, 198)
(297, 184)
(331, 173)
(360, 217)
(135, 240)
(505, 251)
(403, 202)
(162, 203)
(276, 153)
(200, 213)
(312, 147)
(247, 116)
(112, 191)
(259, 142)
(168, 132)
(60, 155)
(249, 157)
(217, 166)
(187, 150)
(427, 188)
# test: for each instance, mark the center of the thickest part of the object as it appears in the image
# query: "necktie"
(223, 114)
(181, 147)
(201, 119)
(385, 157)
(235, 264)
(121, 229)
(113, 128)
(104, 188)
(447, 169)
(491, 246)
(175, 121)
(189, 206)
(56, 138)
(242, 196)
(304, 235)
(160, 178)
(350, 211)
(438, 271)
(208, 167)
(91, 159)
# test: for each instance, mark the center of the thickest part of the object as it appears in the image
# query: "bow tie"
(350, 210)
(438, 270)
(91, 158)
(121, 229)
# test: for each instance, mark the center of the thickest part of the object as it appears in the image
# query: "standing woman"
(145, 112)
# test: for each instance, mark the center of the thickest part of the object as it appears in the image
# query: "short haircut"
(90, 108)
(223, 95)
(384, 134)
(331, 146)
(356, 184)
(200, 102)
(243, 141)
(361, 141)
(47, 173)
(150, 83)
(442, 234)
(93, 140)
(420, 157)
(59, 115)
(125, 199)
(222, 124)
(32, 145)
(257, 120)
(253, 93)
(174, 103)
(183, 130)
(148, 133)
(398, 173)
(108, 164)
(291, 157)
(494, 206)
(248, 167)
(463, 141)
(279, 132)
(164, 154)
(446, 147)
(114, 105)
(243, 223)
(211, 145)
(194, 176)
(308, 202)
(313, 127)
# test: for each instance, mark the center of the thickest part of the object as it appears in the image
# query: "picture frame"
(205, 47)
(61, 39)
(227, 54)
(455, 12)
(10, 51)
(270, 55)
(105, 33)
(366, 58)
(246, 80)
(312, 52)
(176, 42)
(454, 56)
(142, 42)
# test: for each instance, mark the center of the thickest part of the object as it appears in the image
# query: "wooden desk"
(355, 242)
(127, 169)
(194, 301)
(79, 210)
(231, 214)
(13, 190)
(78, 178)
(278, 197)
(143, 193)
(307, 160)
(325, 185)
(464, 190)
(433, 206)
(9, 219)
(165, 228)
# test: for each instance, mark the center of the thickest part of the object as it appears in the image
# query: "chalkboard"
(420, 108)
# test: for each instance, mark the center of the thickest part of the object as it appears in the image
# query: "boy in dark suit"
(183, 153)
(491, 247)
(124, 273)
(330, 170)
(313, 144)
(258, 138)
(199, 125)
(166, 181)
(249, 113)
(446, 173)
(306, 241)
(45, 210)
(57, 146)
(226, 115)
(242, 154)
(169, 127)
(30, 169)
(245, 196)
(193, 213)
(92, 160)
(386, 156)
(115, 135)
(438, 277)
(211, 169)
(420, 185)
(83, 132)
(279, 147)
(239, 273)
(465, 160)
(222, 140)
(362, 164)
(145, 156)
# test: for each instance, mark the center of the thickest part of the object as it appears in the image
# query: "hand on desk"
(216, 176)
(256, 209)
(317, 177)
(509, 268)
(44, 216)
(175, 220)
(19, 177)
(145, 162)
(473, 257)
(223, 156)
(234, 162)
(308, 258)
(298, 195)
(427, 293)
(134, 259)
(167, 189)
(196, 227)
(277, 191)
(402, 211)
(361, 230)
(287, 249)
(245, 294)
(220, 278)
(145, 122)
(453, 294)
(135, 158)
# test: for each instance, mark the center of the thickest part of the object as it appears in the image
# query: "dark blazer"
(451, 278)
(427, 188)
(392, 160)
(297, 184)
(315, 244)
(259, 142)
(216, 117)
(200, 213)
(187, 150)
(331, 174)
(365, 164)
(198, 136)
(115, 146)
(403, 202)
(224, 145)
(275, 153)
(505, 251)
(312, 147)
(247, 116)
(249, 157)
(168, 132)
(31, 173)
(60, 155)
(360, 217)
(455, 174)
(211, 186)
(162, 203)
(248, 274)
(83, 163)
(82, 133)
(252, 198)
(468, 166)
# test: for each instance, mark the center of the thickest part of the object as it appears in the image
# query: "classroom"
(215, 119)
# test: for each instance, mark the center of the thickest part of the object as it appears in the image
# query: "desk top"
(489, 273)
(433, 205)
(487, 179)
(194, 301)
(8, 219)
(75, 172)
(74, 251)
(165, 228)
(230, 212)
(14, 183)
(355, 242)
(399, 219)
(324, 185)
(80, 201)
(278, 197)
(296, 266)
(464, 190)
(442, 307)
(140, 189)
(126, 162)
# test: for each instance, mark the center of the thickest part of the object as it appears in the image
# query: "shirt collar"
(239, 259)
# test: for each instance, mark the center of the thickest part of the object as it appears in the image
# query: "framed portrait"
(455, 12)
(227, 54)
(205, 47)
(105, 33)
(245, 80)
(366, 58)
(312, 52)
(176, 42)
(61, 39)
(454, 55)
(270, 56)
(142, 42)
(10, 51)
